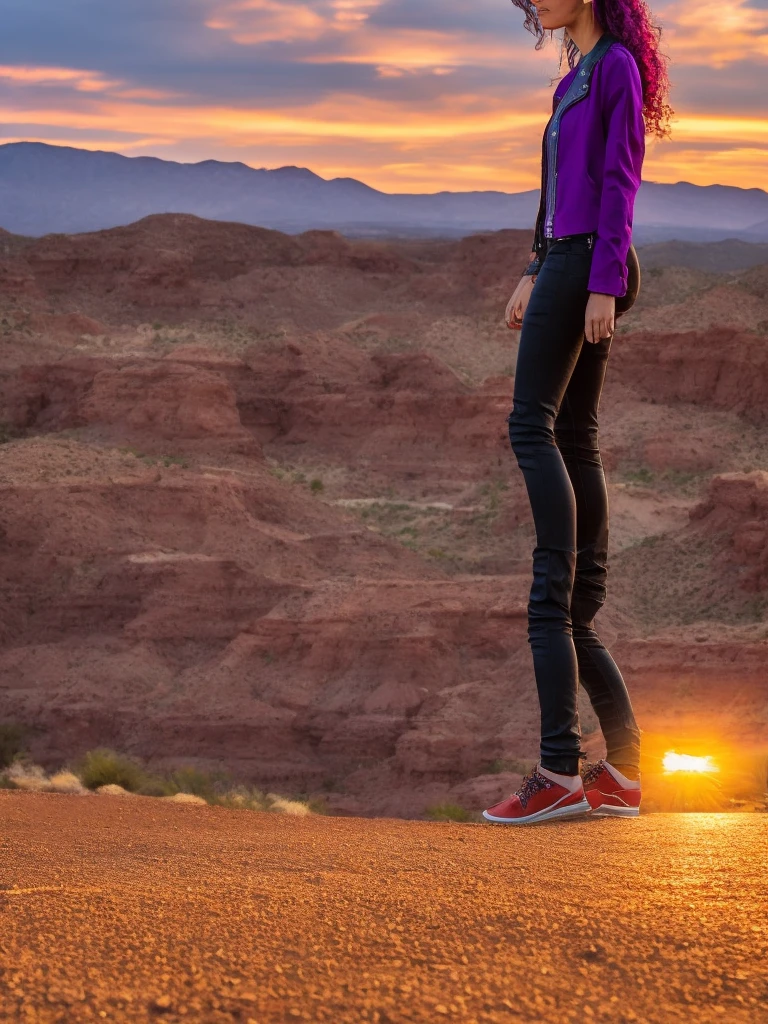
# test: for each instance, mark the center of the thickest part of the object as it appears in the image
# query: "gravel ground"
(135, 909)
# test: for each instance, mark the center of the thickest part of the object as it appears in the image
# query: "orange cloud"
(251, 22)
(420, 48)
(81, 81)
(714, 33)
(339, 117)
(391, 48)
(77, 78)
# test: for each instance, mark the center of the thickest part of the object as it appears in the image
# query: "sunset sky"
(406, 95)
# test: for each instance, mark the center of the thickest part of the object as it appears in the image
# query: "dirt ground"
(134, 909)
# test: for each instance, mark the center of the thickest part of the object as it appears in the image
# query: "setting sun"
(688, 763)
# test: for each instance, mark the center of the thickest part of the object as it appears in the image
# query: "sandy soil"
(134, 909)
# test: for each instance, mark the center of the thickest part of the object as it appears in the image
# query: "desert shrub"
(9, 433)
(642, 475)
(12, 739)
(30, 777)
(447, 812)
(286, 806)
(156, 785)
(506, 764)
(105, 767)
(317, 805)
(110, 772)
(204, 784)
(66, 782)
(243, 798)
(187, 798)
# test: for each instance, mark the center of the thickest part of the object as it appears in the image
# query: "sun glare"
(688, 763)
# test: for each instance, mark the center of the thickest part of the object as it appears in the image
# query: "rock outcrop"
(259, 510)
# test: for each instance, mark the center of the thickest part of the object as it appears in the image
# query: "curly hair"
(632, 24)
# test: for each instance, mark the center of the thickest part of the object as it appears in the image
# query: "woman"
(592, 155)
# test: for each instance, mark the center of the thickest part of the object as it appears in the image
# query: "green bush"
(318, 805)
(642, 475)
(9, 433)
(12, 737)
(191, 780)
(104, 767)
(243, 798)
(501, 764)
(447, 812)
(155, 785)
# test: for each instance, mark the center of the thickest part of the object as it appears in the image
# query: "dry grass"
(108, 773)
(294, 807)
(185, 798)
(112, 789)
(30, 777)
(66, 782)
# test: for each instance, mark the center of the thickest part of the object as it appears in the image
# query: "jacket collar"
(588, 60)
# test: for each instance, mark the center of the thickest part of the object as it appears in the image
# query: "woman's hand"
(600, 317)
(517, 304)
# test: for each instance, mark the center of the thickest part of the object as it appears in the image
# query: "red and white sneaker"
(610, 794)
(543, 795)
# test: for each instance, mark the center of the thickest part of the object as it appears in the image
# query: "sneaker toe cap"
(507, 808)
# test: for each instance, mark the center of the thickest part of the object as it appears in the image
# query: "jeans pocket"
(556, 257)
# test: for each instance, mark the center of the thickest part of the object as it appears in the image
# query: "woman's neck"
(585, 30)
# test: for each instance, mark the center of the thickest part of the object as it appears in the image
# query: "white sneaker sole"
(569, 811)
(607, 811)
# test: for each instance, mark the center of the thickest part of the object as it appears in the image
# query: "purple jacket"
(599, 158)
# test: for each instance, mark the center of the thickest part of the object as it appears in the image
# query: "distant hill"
(728, 254)
(46, 189)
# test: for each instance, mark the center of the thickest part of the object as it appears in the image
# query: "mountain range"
(62, 189)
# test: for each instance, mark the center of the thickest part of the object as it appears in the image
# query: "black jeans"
(554, 435)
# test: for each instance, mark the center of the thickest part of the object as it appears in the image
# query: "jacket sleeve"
(624, 127)
(534, 264)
